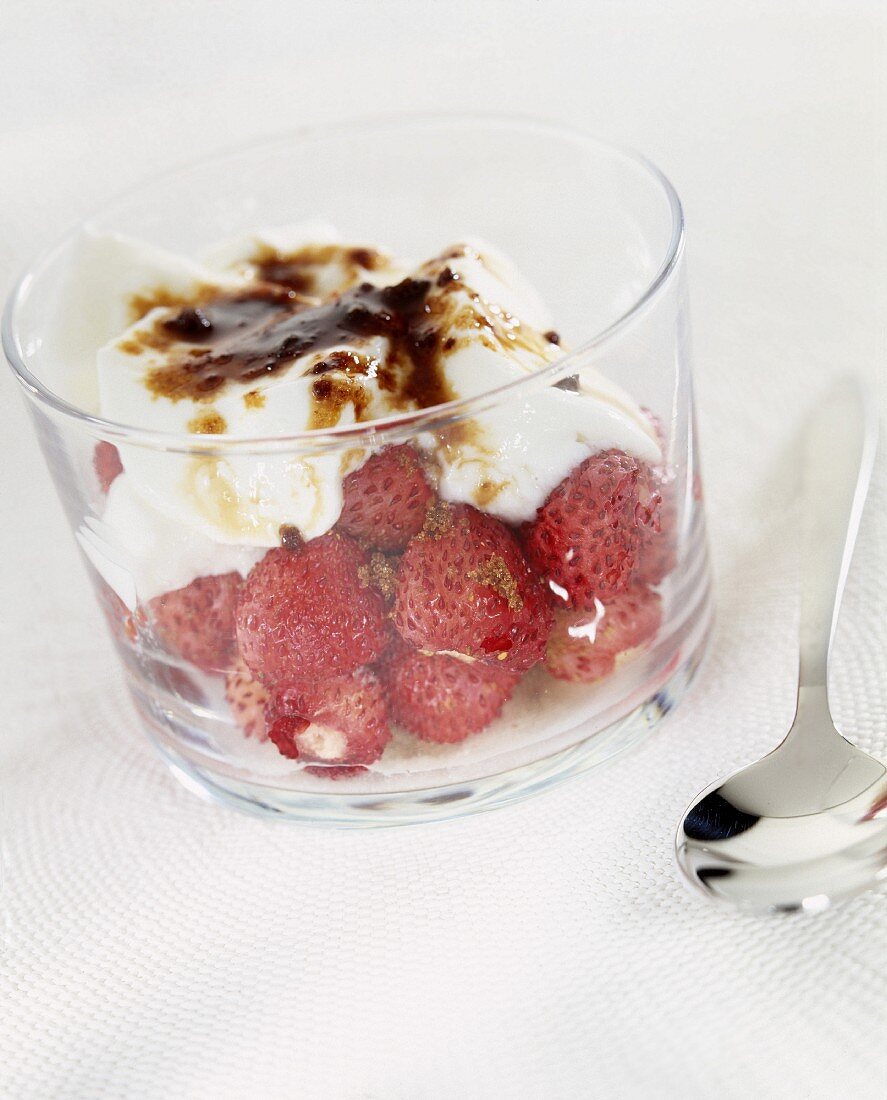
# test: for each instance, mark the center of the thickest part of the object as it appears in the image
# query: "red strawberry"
(197, 622)
(657, 552)
(247, 698)
(464, 586)
(335, 771)
(584, 539)
(441, 698)
(572, 654)
(284, 731)
(379, 573)
(584, 645)
(386, 499)
(348, 716)
(126, 626)
(107, 464)
(306, 612)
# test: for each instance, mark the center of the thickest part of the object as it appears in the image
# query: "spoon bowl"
(805, 826)
(802, 828)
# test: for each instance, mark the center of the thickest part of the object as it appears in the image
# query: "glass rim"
(397, 426)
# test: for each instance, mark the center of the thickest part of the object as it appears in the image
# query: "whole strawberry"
(657, 551)
(306, 613)
(247, 698)
(584, 539)
(197, 622)
(464, 587)
(386, 499)
(339, 720)
(584, 645)
(441, 698)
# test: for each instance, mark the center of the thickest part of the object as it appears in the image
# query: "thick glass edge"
(388, 429)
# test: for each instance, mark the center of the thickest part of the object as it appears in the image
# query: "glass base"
(440, 803)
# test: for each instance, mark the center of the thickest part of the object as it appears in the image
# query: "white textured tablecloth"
(158, 946)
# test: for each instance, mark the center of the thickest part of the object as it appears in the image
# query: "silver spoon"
(807, 825)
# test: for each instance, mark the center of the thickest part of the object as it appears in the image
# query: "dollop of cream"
(214, 508)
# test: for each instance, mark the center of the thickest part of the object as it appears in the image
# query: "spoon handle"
(838, 455)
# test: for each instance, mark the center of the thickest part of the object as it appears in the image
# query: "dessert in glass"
(378, 444)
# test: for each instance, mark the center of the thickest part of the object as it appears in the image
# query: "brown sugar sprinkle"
(495, 574)
(208, 423)
(438, 520)
(407, 457)
(290, 537)
(378, 573)
(254, 399)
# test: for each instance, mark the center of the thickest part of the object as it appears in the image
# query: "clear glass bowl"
(599, 232)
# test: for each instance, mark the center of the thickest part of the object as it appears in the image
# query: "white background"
(159, 946)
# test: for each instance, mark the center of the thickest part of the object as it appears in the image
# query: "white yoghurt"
(518, 452)
(335, 274)
(142, 553)
(171, 517)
